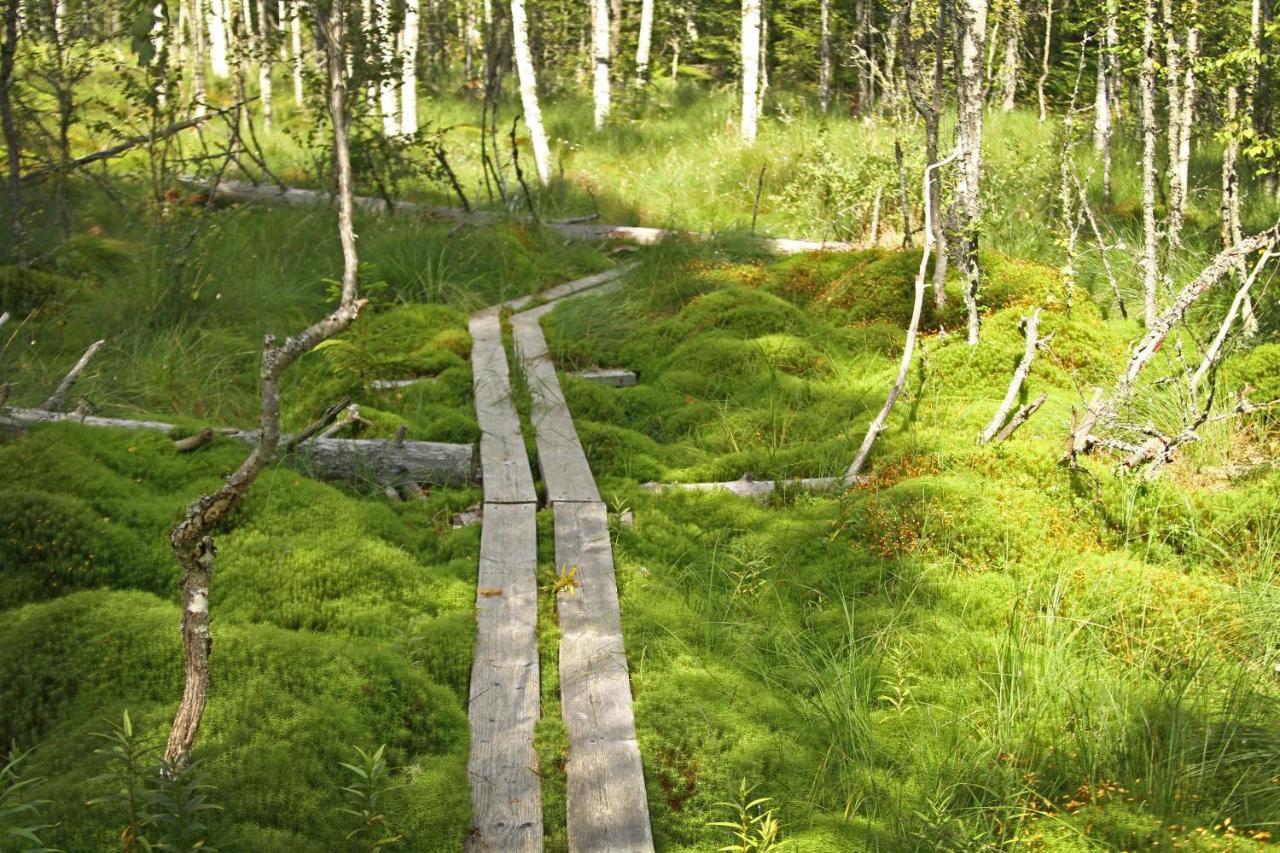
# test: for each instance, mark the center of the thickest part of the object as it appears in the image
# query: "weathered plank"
(565, 471)
(503, 461)
(607, 808)
(611, 376)
(506, 796)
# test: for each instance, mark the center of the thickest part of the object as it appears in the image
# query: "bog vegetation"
(1062, 637)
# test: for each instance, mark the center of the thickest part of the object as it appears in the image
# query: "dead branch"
(57, 400)
(1214, 351)
(45, 172)
(1102, 245)
(749, 487)
(1102, 408)
(193, 442)
(320, 423)
(877, 426)
(1020, 417)
(1030, 326)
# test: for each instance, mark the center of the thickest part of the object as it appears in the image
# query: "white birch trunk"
(824, 58)
(218, 64)
(409, 70)
(1102, 104)
(1011, 63)
(972, 23)
(264, 66)
(1044, 59)
(646, 39)
(159, 27)
(1186, 116)
(601, 57)
(529, 91)
(750, 67)
(295, 47)
(1150, 269)
(764, 62)
(199, 96)
(1173, 89)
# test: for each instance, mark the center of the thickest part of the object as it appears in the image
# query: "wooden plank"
(607, 807)
(612, 376)
(504, 463)
(565, 471)
(506, 797)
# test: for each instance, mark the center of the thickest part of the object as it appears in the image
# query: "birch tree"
(971, 26)
(600, 55)
(1011, 63)
(750, 53)
(409, 69)
(643, 45)
(218, 64)
(1044, 59)
(529, 91)
(824, 57)
(1147, 95)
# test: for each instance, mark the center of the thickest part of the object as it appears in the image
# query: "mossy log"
(347, 459)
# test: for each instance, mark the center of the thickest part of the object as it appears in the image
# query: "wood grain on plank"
(506, 796)
(565, 471)
(607, 808)
(504, 464)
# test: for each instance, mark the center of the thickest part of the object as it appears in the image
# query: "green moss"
(26, 289)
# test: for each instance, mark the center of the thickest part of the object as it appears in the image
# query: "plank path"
(607, 808)
(606, 804)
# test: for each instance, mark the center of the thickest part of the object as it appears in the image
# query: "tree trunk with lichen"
(971, 25)
(191, 539)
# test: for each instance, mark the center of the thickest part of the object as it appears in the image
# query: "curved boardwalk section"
(506, 797)
(607, 808)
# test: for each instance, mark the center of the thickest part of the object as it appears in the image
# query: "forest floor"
(976, 648)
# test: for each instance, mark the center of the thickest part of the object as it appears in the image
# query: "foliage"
(19, 812)
(370, 781)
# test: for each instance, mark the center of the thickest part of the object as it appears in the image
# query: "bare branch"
(1020, 417)
(57, 400)
(1031, 326)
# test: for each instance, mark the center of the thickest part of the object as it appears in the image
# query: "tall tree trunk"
(750, 67)
(971, 23)
(824, 58)
(1264, 96)
(1232, 232)
(529, 91)
(265, 63)
(388, 103)
(1009, 66)
(199, 95)
(409, 70)
(763, 87)
(12, 141)
(1186, 117)
(295, 47)
(218, 63)
(191, 539)
(160, 44)
(1044, 59)
(642, 46)
(601, 56)
(1147, 88)
(1173, 98)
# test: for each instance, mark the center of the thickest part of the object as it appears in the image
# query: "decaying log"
(1030, 327)
(193, 442)
(351, 460)
(749, 487)
(242, 191)
(57, 400)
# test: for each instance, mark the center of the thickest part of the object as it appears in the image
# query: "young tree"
(191, 539)
(1147, 95)
(824, 57)
(1011, 64)
(601, 56)
(971, 26)
(645, 40)
(529, 91)
(409, 69)
(1044, 59)
(750, 53)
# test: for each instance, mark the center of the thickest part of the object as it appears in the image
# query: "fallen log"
(348, 459)
(244, 192)
(749, 487)
(617, 378)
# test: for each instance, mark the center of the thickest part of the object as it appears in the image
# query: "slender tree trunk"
(409, 70)
(529, 91)
(642, 46)
(199, 95)
(1010, 65)
(218, 16)
(1173, 98)
(764, 60)
(824, 58)
(601, 56)
(1102, 128)
(1232, 232)
(1186, 117)
(388, 103)
(191, 539)
(12, 141)
(295, 47)
(265, 63)
(750, 67)
(1044, 59)
(972, 29)
(1147, 82)
(160, 44)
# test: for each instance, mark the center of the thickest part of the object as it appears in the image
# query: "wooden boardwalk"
(607, 808)
(506, 793)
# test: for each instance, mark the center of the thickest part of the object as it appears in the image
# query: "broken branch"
(57, 400)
